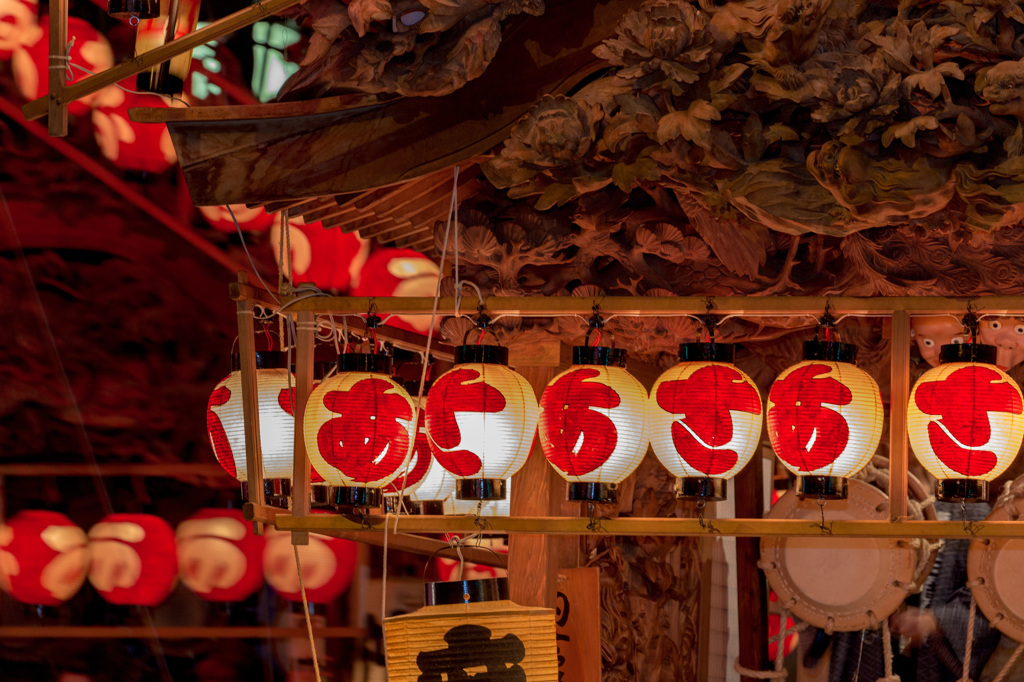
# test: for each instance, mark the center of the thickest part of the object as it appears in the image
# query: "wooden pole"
(56, 101)
(899, 395)
(94, 83)
(306, 328)
(250, 402)
(751, 589)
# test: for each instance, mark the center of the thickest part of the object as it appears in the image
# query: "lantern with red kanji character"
(44, 557)
(19, 26)
(130, 145)
(593, 423)
(825, 418)
(423, 471)
(275, 386)
(965, 421)
(134, 559)
(481, 420)
(399, 272)
(327, 257)
(249, 219)
(328, 566)
(359, 429)
(705, 419)
(219, 557)
(31, 66)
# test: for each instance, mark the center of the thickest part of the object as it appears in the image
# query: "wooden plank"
(704, 607)
(752, 591)
(899, 395)
(107, 469)
(94, 83)
(57, 98)
(400, 140)
(305, 337)
(578, 625)
(748, 528)
(657, 306)
(250, 401)
(173, 632)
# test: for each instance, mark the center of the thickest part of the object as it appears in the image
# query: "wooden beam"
(305, 336)
(658, 306)
(57, 98)
(751, 589)
(173, 632)
(899, 395)
(750, 528)
(152, 469)
(115, 74)
(250, 401)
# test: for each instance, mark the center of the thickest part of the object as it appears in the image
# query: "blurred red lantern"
(219, 557)
(705, 419)
(249, 219)
(417, 466)
(965, 421)
(327, 257)
(44, 557)
(91, 50)
(134, 559)
(593, 423)
(398, 272)
(19, 26)
(825, 418)
(481, 421)
(144, 147)
(328, 566)
(359, 428)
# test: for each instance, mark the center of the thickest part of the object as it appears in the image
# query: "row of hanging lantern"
(137, 559)
(702, 419)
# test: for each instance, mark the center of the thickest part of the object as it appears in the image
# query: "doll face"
(931, 332)
(1007, 335)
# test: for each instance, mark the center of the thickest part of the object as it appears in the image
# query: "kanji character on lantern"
(44, 557)
(134, 559)
(705, 419)
(470, 647)
(327, 257)
(328, 566)
(593, 423)
(219, 557)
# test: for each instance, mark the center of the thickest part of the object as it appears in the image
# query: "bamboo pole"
(662, 526)
(899, 394)
(65, 95)
(250, 402)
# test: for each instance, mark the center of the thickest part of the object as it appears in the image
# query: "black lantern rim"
(968, 352)
(598, 493)
(345, 497)
(140, 9)
(482, 354)
(962, 490)
(823, 487)
(830, 351)
(465, 591)
(599, 355)
(375, 363)
(700, 488)
(700, 351)
(485, 489)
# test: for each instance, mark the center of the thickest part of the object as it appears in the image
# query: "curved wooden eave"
(270, 153)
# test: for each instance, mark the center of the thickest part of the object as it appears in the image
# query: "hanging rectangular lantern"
(470, 629)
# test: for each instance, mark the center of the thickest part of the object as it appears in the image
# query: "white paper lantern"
(825, 418)
(965, 421)
(593, 423)
(481, 421)
(705, 417)
(359, 428)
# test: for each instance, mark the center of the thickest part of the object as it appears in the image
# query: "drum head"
(995, 565)
(852, 582)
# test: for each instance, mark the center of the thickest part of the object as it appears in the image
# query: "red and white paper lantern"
(399, 272)
(428, 485)
(328, 566)
(31, 66)
(249, 219)
(275, 387)
(44, 557)
(825, 418)
(481, 421)
(134, 559)
(19, 26)
(593, 423)
(219, 557)
(965, 421)
(130, 145)
(705, 419)
(359, 428)
(327, 257)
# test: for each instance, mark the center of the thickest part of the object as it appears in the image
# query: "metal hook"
(969, 526)
(825, 530)
(970, 322)
(706, 525)
(595, 521)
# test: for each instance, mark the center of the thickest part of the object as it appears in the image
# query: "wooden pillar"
(57, 107)
(250, 401)
(306, 328)
(538, 490)
(899, 395)
(751, 590)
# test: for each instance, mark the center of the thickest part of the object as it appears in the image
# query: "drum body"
(994, 568)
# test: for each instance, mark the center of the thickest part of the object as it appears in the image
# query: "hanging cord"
(966, 677)
(305, 611)
(1009, 664)
(248, 255)
(778, 673)
(887, 648)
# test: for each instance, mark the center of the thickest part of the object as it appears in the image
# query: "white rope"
(1009, 664)
(887, 647)
(305, 611)
(778, 673)
(966, 677)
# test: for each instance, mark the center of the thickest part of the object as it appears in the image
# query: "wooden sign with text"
(578, 625)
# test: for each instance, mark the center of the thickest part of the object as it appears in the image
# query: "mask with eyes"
(931, 332)
(1007, 335)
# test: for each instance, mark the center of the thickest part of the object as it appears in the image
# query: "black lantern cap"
(599, 355)
(831, 351)
(141, 9)
(377, 363)
(968, 352)
(487, 355)
(706, 352)
(465, 591)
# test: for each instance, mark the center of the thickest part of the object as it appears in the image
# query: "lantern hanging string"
(241, 236)
(305, 612)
